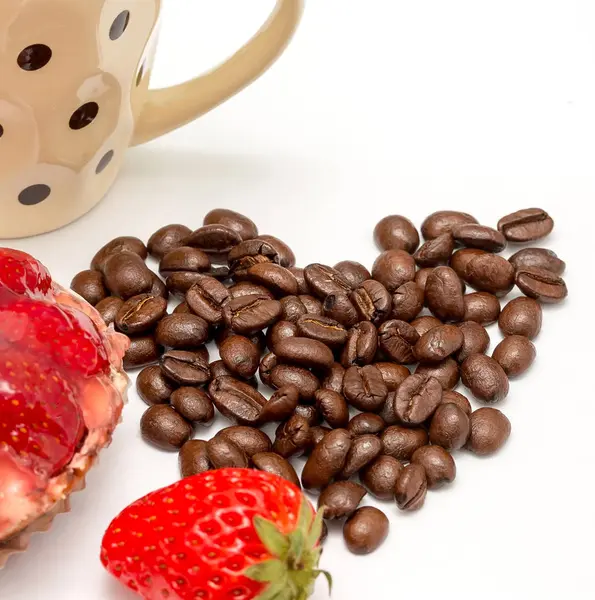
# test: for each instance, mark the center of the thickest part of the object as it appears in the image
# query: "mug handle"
(169, 108)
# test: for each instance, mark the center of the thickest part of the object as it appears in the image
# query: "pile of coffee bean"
(338, 345)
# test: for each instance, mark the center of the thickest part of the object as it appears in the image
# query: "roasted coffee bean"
(182, 331)
(224, 454)
(444, 295)
(206, 298)
(249, 314)
(424, 324)
(318, 432)
(324, 280)
(240, 356)
(332, 407)
(393, 268)
(251, 440)
(372, 301)
(214, 239)
(218, 369)
(481, 307)
(452, 397)
(247, 288)
(279, 331)
(119, 245)
(411, 488)
(220, 272)
(298, 273)
(184, 259)
(526, 225)
(193, 458)
(485, 378)
(294, 307)
(393, 375)
(421, 278)
(490, 273)
(194, 405)
(444, 221)
(450, 427)
(258, 338)
(407, 302)
(281, 404)
(153, 387)
(435, 252)
(182, 309)
(251, 252)
(334, 378)
(490, 429)
(140, 313)
(306, 382)
(292, 437)
(364, 388)
(275, 278)
(397, 340)
(340, 308)
(89, 285)
(186, 367)
(401, 442)
(241, 224)
(143, 350)
(521, 316)
(538, 258)
(541, 285)
(284, 252)
(515, 354)
(108, 309)
(438, 464)
(354, 272)
(277, 465)
(438, 344)
(472, 235)
(459, 261)
(326, 460)
(304, 352)
(340, 499)
(366, 423)
(325, 330)
(237, 400)
(166, 239)
(163, 427)
(267, 363)
(158, 289)
(365, 530)
(310, 413)
(446, 372)
(364, 449)
(417, 398)
(361, 345)
(380, 476)
(476, 340)
(181, 281)
(127, 275)
(395, 232)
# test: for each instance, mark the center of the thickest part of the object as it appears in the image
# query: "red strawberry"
(232, 534)
(23, 274)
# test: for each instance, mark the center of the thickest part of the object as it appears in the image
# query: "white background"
(378, 107)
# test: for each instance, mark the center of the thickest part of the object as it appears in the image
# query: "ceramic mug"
(74, 95)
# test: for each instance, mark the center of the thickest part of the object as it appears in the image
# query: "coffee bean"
(108, 308)
(119, 245)
(417, 398)
(279, 331)
(220, 272)
(515, 354)
(89, 285)
(340, 499)
(476, 340)
(490, 429)
(371, 301)
(182, 331)
(452, 397)
(249, 314)
(332, 407)
(153, 387)
(281, 404)
(490, 273)
(274, 277)
(258, 338)
(241, 224)
(206, 298)
(143, 350)
(393, 375)
(393, 268)
(355, 273)
(521, 316)
(407, 302)
(438, 343)
(361, 345)
(446, 372)
(340, 308)
(126, 275)
(324, 280)
(334, 378)
(181, 281)
(364, 388)
(285, 253)
(365, 530)
(438, 464)
(318, 432)
(450, 427)
(424, 324)
(459, 261)
(444, 295)
(185, 367)
(236, 400)
(247, 288)
(249, 253)
(444, 221)
(526, 225)
(277, 465)
(305, 352)
(214, 239)
(326, 460)
(541, 285)
(435, 252)
(267, 363)
(380, 476)
(240, 356)
(294, 307)
(218, 369)
(298, 273)
(184, 259)
(472, 235)
(224, 454)
(397, 340)
(140, 313)
(166, 239)
(325, 330)
(364, 449)
(292, 437)
(401, 442)
(193, 458)
(366, 423)
(481, 307)
(411, 488)
(421, 278)
(163, 427)
(396, 233)
(485, 378)
(251, 440)
(194, 405)
(538, 258)
(158, 289)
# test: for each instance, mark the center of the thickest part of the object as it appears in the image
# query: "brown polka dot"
(34, 194)
(104, 162)
(84, 115)
(119, 25)
(34, 57)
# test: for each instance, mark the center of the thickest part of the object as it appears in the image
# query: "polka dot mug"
(74, 95)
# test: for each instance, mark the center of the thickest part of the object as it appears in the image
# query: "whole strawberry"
(232, 534)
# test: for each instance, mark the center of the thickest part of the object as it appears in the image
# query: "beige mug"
(74, 95)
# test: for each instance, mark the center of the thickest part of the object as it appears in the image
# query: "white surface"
(382, 107)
